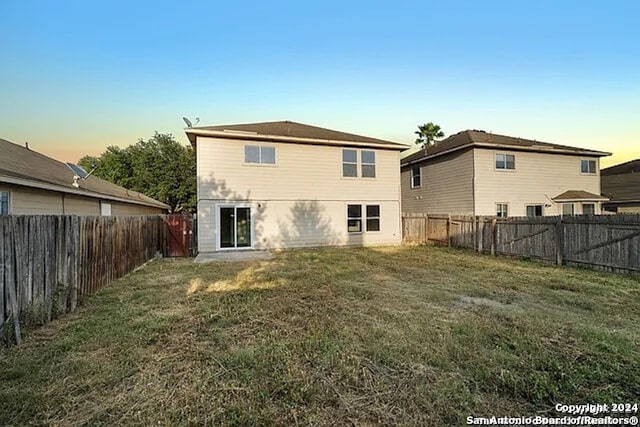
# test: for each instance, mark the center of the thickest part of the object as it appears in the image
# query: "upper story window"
(350, 163)
(505, 161)
(4, 203)
(588, 166)
(415, 177)
(259, 154)
(368, 160)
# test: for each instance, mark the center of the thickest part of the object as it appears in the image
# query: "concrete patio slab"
(233, 256)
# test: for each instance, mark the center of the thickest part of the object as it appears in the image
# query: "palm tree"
(428, 133)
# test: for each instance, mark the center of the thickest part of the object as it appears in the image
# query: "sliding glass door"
(234, 229)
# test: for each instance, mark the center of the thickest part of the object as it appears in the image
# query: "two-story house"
(479, 173)
(285, 184)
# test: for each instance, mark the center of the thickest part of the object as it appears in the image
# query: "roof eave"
(547, 150)
(192, 133)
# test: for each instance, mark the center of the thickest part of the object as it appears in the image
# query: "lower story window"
(354, 218)
(373, 217)
(567, 209)
(588, 209)
(4, 203)
(502, 210)
(534, 210)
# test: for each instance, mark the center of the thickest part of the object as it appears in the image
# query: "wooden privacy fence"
(604, 242)
(48, 262)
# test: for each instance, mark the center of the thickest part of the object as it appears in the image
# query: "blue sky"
(78, 76)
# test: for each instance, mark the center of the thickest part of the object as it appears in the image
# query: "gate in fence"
(181, 235)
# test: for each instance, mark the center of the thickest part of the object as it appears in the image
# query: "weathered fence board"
(48, 262)
(604, 242)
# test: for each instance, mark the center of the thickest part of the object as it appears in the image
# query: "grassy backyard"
(406, 335)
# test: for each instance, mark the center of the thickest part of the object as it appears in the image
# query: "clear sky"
(77, 76)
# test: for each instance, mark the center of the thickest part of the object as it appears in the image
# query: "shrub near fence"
(603, 242)
(48, 262)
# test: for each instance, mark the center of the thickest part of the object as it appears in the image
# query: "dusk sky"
(77, 76)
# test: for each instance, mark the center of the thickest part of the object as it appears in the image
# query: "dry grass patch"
(407, 335)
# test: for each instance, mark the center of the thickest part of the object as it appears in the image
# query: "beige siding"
(306, 179)
(124, 209)
(537, 178)
(33, 201)
(446, 186)
(83, 206)
(287, 224)
(629, 209)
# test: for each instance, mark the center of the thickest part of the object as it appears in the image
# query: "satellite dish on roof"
(188, 122)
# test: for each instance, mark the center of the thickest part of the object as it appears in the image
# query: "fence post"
(449, 230)
(494, 230)
(559, 241)
(426, 228)
(479, 232)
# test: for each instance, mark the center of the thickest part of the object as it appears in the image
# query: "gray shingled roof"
(621, 183)
(478, 138)
(24, 164)
(632, 166)
(573, 195)
(295, 130)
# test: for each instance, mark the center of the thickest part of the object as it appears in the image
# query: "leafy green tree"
(428, 133)
(159, 167)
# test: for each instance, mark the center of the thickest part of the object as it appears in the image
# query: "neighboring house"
(621, 183)
(479, 173)
(34, 184)
(285, 184)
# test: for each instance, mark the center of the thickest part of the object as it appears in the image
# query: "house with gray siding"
(479, 173)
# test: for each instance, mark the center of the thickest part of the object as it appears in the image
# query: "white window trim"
(233, 205)
(362, 215)
(508, 209)
(260, 164)
(505, 169)
(419, 174)
(375, 168)
(342, 163)
(595, 207)
(533, 204)
(573, 208)
(358, 164)
(595, 172)
(379, 218)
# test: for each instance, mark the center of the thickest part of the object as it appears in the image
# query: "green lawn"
(406, 335)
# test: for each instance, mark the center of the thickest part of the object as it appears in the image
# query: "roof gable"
(287, 131)
(19, 164)
(481, 139)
